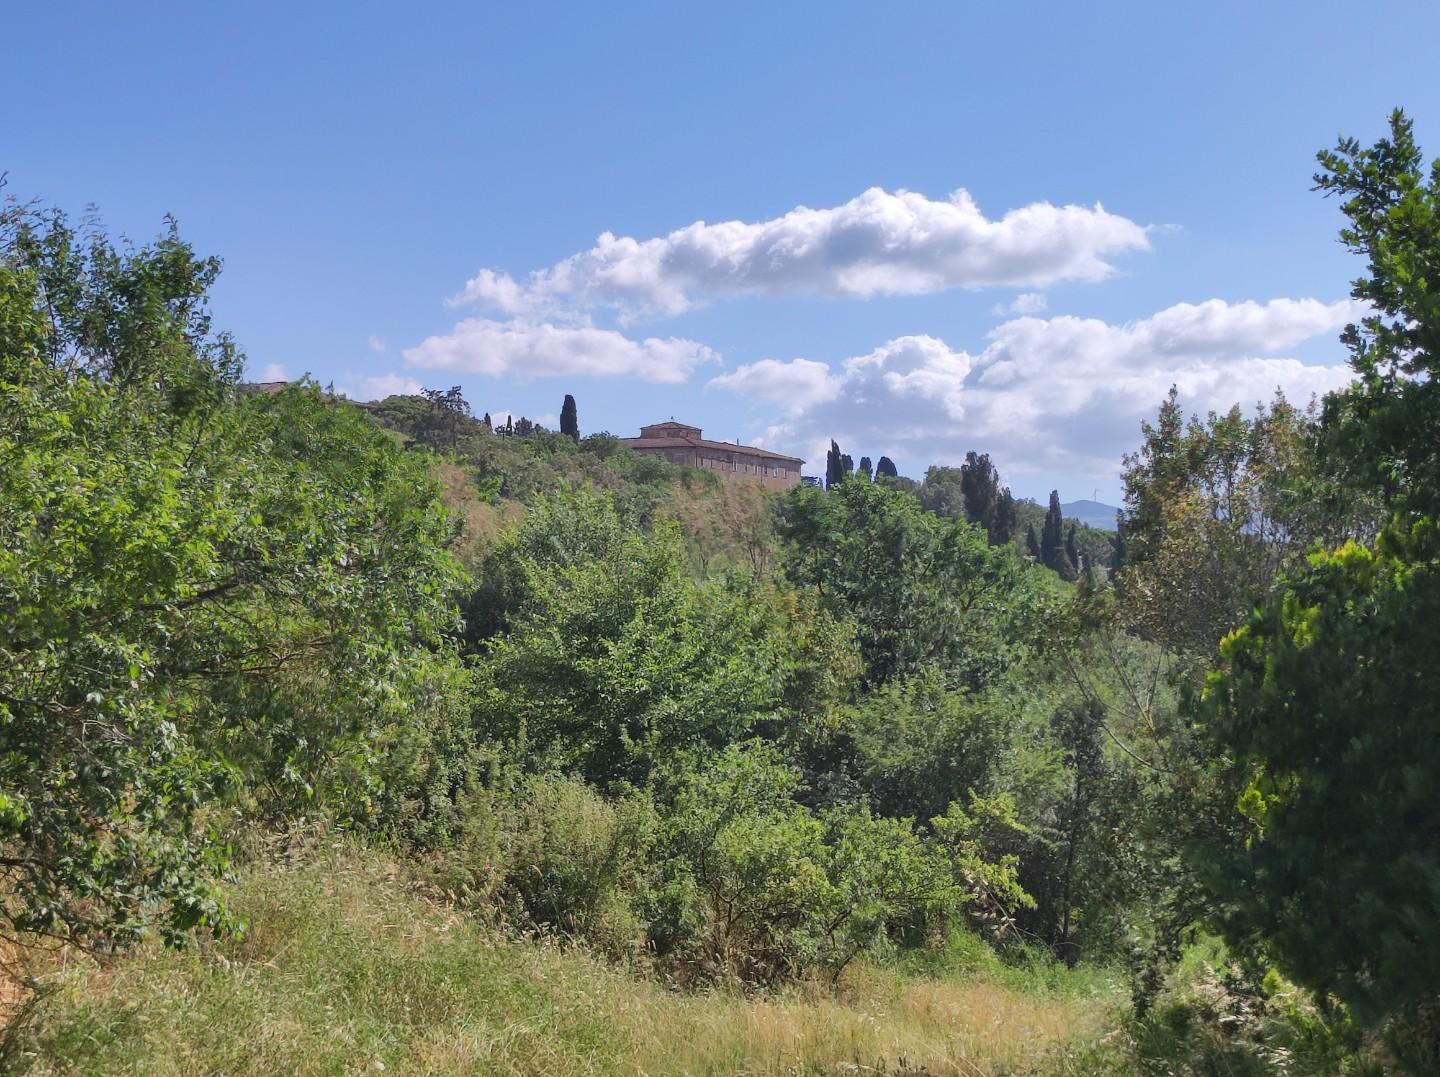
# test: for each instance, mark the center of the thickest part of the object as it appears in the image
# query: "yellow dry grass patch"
(348, 970)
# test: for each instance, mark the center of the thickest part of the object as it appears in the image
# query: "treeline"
(886, 727)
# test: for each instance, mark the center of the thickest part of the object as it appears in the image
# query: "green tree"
(1322, 720)
(1052, 538)
(615, 655)
(569, 419)
(1383, 433)
(921, 589)
(987, 502)
(182, 567)
(885, 467)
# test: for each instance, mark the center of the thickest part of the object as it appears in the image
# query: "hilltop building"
(682, 444)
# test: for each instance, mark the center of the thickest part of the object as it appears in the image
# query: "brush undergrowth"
(345, 968)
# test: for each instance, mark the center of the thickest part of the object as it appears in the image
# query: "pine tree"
(885, 466)
(866, 469)
(569, 420)
(1052, 537)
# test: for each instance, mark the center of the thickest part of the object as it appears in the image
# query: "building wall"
(778, 474)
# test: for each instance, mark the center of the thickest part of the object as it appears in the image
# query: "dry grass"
(346, 971)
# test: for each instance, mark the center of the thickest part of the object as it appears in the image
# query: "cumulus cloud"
(878, 243)
(527, 350)
(1024, 303)
(379, 386)
(375, 344)
(796, 385)
(1059, 397)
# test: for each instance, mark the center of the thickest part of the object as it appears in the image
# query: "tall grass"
(345, 969)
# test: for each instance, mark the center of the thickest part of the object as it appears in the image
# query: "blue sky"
(357, 164)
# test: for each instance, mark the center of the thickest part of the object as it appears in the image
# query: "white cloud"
(273, 372)
(526, 350)
(1057, 398)
(1024, 303)
(375, 344)
(879, 243)
(380, 386)
(797, 385)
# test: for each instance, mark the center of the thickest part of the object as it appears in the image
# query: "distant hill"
(1091, 513)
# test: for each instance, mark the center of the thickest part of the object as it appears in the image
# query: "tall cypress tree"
(1032, 544)
(569, 420)
(885, 466)
(832, 466)
(1052, 536)
(1072, 555)
(866, 469)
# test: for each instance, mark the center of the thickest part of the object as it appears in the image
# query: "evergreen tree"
(885, 466)
(1032, 544)
(1052, 538)
(569, 420)
(832, 466)
(866, 469)
(487, 424)
(847, 465)
(987, 503)
(1072, 554)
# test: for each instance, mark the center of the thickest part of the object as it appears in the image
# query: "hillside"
(1094, 514)
(349, 969)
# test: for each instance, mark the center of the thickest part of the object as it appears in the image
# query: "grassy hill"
(349, 968)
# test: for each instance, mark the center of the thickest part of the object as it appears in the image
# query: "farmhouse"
(682, 444)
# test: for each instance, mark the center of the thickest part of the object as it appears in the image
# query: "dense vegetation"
(717, 736)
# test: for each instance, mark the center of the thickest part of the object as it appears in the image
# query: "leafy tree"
(1215, 509)
(921, 589)
(569, 420)
(615, 656)
(1383, 433)
(181, 568)
(449, 409)
(1322, 718)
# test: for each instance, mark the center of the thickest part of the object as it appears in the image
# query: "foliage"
(615, 656)
(171, 558)
(1322, 718)
(1383, 433)
(922, 590)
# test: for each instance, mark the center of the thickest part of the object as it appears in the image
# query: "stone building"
(682, 444)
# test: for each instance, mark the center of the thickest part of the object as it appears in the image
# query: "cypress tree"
(885, 466)
(1072, 554)
(832, 466)
(1052, 538)
(866, 469)
(1032, 544)
(569, 420)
